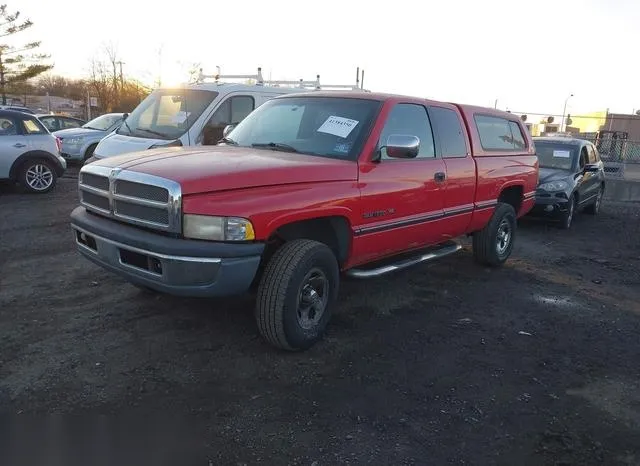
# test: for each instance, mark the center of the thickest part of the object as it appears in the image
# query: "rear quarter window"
(499, 134)
(449, 132)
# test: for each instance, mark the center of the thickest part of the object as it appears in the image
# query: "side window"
(516, 136)
(584, 157)
(232, 110)
(592, 154)
(33, 127)
(7, 127)
(449, 130)
(409, 119)
(50, 123)
(241, 106)
(68, 123)
(496, 133)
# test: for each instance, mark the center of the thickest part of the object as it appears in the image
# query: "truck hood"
(213, 168)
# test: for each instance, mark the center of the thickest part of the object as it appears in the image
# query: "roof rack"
(301, 83)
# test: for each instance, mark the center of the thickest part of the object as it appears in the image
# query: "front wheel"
(594, 209)
(89, 153)
(296, 293)
(566, 220)
(493, 244)
(37, 176)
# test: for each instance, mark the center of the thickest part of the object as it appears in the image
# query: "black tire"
(594, 208)
(29, 172)
(490, 249)
(89, 153)
(566, 219)
(278, 312)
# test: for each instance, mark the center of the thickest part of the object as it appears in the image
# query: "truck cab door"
(402, 199)
(452, 144)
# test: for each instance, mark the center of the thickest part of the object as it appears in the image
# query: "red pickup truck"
(305, 189)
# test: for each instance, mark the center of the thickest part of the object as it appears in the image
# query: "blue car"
(78, 144)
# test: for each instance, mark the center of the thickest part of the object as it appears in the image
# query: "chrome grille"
(95, 181)
(144, 191)
(126, 210)
(131, 197)
(96, 200)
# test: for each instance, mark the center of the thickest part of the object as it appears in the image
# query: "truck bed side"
(502, 174)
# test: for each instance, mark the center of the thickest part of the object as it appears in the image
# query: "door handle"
(19, 145)
(439, 177)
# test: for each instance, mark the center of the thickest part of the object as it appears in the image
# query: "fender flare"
(33, 154)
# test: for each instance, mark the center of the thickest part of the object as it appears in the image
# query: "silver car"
(29, 153)
(78, 144)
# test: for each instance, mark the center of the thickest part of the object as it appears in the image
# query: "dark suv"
(571, 178)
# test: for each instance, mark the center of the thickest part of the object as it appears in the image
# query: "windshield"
(103, 122)
(333, 127)
(559, 156)
(167, 113)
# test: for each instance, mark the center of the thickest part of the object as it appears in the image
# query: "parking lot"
(534, 363)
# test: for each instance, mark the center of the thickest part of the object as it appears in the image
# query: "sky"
(529, 55)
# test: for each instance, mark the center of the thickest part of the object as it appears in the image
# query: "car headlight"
(554, 186)
(217, 228)
(74, 140)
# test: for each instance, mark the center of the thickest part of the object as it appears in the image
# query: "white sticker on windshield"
(338, 126)
(180, 117)
(563, 154)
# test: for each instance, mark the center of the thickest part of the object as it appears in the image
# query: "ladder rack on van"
(260, 81)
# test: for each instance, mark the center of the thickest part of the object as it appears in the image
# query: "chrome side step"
(448, 249)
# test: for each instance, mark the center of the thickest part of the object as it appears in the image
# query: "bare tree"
(17, 64)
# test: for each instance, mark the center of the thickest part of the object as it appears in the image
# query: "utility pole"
(121, 75)
(160, 65)
(563, 113)
(2, 81)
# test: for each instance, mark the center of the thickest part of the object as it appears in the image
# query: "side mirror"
(402, 146)
(591, 168)
(228, 129)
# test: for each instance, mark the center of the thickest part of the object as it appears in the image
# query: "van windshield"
(334, 127)
(167, 113)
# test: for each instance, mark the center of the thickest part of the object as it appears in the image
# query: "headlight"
(217, 228)
(74, 140)
(554, 186)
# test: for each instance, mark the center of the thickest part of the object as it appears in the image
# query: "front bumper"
(550, 205)
(63, 165)
(170, 265)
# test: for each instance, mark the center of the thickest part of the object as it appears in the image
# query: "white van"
(196, 114)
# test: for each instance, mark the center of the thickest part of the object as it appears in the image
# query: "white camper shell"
(197, 113)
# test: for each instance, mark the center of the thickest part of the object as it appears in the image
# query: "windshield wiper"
(91, 127)
(150, 131)
(227, 140)
(276, 146)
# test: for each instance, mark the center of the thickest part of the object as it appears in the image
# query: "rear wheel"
(296, 293)
(37, 176)
(493, 244)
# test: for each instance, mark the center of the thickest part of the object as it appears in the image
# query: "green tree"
(17, 64)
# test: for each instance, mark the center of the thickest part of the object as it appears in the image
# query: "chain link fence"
(621, 157)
